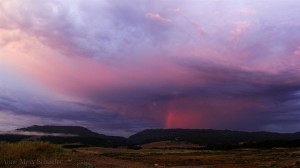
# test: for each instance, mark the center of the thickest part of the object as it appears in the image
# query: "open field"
(44, 155)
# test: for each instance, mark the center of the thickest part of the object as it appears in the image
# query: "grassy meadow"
(46, 155)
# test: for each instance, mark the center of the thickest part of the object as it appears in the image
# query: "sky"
(121, 66)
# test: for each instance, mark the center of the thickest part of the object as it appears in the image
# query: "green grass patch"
(28, 150)
(85, 165)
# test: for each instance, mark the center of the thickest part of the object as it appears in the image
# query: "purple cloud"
(123, 66)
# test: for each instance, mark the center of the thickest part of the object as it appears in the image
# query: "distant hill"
(68, 130)
(83, 136)
(207, 136)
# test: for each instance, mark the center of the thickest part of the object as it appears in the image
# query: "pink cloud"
(76, 75)
(197, 28)
(239, 30)
(297, 51)
(247, 11)
(156, 16)
(197, 113)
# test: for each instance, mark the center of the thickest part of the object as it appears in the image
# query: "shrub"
(86, 165)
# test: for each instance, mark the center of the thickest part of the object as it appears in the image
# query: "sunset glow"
(120, 66)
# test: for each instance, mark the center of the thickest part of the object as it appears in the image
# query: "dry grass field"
(162, 154)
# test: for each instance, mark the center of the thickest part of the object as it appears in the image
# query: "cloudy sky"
(121, 66)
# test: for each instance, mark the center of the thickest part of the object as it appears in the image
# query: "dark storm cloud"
(66, 113)
(261, 99)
